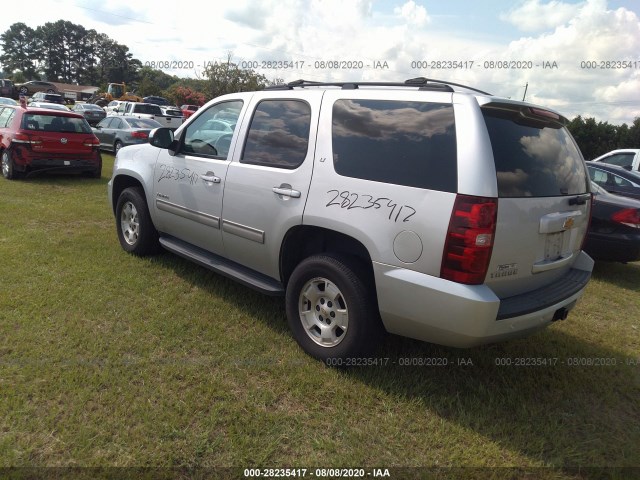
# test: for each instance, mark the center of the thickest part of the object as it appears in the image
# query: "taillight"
(139, 134)
(467, 249)
(627, 216)
(24, 138)
(91, 142)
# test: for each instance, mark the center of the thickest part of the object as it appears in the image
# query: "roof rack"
(421, 82)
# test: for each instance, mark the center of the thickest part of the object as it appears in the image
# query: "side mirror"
(162, 137)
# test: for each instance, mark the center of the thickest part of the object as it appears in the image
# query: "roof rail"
(421, 82)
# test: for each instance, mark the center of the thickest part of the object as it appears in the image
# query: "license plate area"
(553, 246)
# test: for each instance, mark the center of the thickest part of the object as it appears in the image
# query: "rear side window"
(534, 159)
(398, 142)
(620, 159)
(279, 134)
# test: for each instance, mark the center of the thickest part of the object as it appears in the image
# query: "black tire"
(8, 167)
(333, 285)
(51, 91)
(117, 146)
(136, 231)
(23, 90)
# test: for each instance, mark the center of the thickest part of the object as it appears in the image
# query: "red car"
(38, 139)
(188, 110)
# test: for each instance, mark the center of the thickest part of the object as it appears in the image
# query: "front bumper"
(439, 311)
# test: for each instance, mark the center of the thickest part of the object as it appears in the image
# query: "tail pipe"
(560, 314)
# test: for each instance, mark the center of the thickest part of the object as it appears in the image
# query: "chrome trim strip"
(243, 231)
(204, 218)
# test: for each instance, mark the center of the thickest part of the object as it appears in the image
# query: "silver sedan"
(117, 132)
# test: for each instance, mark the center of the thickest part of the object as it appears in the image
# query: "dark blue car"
(614, 179)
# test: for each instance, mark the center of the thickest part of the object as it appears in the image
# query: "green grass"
(109, 360)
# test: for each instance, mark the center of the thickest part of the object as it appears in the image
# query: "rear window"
(148, 109)
(52, 123)
(534, 159)
(399, 142)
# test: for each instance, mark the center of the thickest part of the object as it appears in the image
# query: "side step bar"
(223, 266)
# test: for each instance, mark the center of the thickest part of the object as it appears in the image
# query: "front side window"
(398, 142)
(207, 138)
(279, 134)
(534, 158)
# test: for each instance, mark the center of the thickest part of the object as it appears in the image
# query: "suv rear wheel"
(136, 232)
(331, 309)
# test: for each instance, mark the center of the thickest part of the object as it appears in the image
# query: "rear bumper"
(434, 310)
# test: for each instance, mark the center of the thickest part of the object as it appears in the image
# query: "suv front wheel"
(136, 232)
(331, 309)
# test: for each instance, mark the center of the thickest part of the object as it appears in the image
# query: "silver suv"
(425, 209)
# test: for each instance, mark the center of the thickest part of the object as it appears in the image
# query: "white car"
(628, 158)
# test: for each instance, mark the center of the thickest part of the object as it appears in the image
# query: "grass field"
(111, 360)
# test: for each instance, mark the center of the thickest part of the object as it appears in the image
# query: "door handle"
(211, 179)
(287, 192)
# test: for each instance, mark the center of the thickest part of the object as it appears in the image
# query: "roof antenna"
(525, 91)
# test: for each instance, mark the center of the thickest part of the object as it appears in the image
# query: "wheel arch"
(303, 241)
(120, 183)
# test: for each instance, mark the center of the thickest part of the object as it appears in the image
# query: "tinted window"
(117, 123)
(105, 123)
(201, 138)
(620, 159)
(52, 123)
(532, 158)
(279, 134)
(148, 109)
(398, 142)
(142, 123)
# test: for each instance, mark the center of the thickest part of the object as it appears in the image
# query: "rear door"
(268, 181)
(544, 200)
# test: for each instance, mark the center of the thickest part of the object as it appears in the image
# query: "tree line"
(64, 52)
(597, 138)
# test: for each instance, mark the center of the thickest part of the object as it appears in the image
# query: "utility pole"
(525, 91)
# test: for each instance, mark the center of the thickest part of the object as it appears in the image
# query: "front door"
(188, 186)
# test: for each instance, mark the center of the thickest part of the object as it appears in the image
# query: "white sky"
(392, 32)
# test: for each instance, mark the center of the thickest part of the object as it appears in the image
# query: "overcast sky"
(384, 39)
